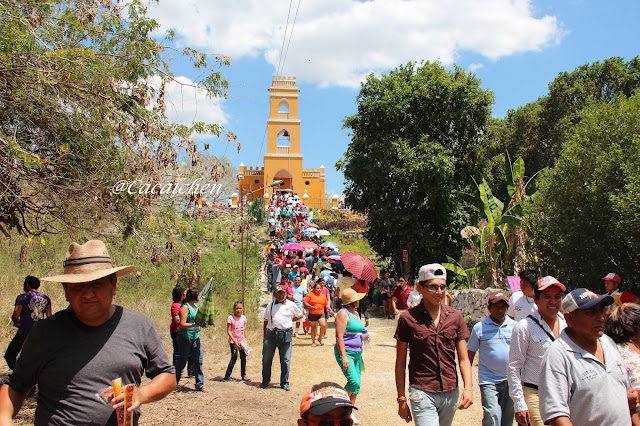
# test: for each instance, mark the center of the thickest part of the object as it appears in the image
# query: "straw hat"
(88, 262)
(349, 296)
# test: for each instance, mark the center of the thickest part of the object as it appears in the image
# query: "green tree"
(82, 105)
(587, 209)
(413, 145)
(537, 130)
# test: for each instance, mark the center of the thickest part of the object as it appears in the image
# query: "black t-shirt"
(72, 362)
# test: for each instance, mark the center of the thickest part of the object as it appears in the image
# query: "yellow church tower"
(283, 160)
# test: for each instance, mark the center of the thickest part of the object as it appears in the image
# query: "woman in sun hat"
(348, 347)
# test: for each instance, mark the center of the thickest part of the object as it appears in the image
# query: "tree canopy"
(537, 130)
(586, 213)
(413, 146)
(82, 89)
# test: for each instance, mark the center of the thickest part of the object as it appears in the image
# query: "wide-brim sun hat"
(88, 262)
(349, 296)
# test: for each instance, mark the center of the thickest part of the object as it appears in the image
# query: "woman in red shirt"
(316, 303)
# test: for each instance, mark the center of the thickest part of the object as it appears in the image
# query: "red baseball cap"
(612, 276)
(548, 281)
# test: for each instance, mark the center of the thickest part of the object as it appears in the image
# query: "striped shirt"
(529, 343)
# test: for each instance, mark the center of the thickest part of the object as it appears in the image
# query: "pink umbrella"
(359, 266)
(311, 229)
(335, 257)
(309, 244)
(292, 247)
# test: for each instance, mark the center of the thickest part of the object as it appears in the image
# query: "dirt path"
(240, 403)
(246, 404)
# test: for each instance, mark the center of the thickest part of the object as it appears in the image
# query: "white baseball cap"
(432, 271)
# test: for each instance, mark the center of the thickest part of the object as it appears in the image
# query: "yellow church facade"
(283, 160)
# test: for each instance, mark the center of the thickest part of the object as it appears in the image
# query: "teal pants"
(353, 373)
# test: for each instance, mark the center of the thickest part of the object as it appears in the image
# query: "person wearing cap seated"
(279, 316)
(326, 403)
(434, 334)
(584, 380)
(491, 337)
(79, 351)
(530, 340)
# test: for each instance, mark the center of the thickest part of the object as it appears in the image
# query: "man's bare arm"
(10, 403)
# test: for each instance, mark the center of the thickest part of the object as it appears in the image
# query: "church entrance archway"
(286, 176)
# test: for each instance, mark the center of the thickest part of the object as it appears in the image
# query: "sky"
(515, 47)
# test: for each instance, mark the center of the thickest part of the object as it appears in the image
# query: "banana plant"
(498, 227)
(469, 274)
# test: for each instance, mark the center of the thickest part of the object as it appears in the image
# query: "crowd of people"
(545, 355)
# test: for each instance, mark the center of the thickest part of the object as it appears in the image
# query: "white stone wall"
(474, 301)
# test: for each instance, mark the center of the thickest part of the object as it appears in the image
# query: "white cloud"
(186, 104)
(475, 67)
(338, 42)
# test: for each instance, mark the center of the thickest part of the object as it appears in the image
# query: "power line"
(284, 38)
(290, 35)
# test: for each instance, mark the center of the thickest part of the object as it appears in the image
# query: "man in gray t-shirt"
(584, 379)
(77, 353)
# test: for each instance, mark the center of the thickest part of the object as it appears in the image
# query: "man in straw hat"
(77, 353)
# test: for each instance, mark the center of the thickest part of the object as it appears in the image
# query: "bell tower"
(283, 159)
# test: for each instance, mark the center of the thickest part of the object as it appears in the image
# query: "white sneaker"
(355, 420)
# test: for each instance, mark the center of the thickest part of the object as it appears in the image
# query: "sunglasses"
(330, 422)
(436, 287)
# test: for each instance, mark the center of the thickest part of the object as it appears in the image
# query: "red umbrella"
(359, 266)
(309, 244)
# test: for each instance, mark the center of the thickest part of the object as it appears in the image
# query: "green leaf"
(511, 220)
(518, 169)
(488, 201)
(502, 241)
(454, 267)
(508, 172)
(486, 234)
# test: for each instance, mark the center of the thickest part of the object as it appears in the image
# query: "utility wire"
(284, 38)
(290, 35)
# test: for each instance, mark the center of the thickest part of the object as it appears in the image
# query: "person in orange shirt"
(316, 303)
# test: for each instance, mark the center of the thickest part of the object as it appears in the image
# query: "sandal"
(313, 344)
(320, 342)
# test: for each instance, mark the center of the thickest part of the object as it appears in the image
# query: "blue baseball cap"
(581, 299)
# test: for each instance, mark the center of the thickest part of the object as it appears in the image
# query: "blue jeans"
(430, 409)
(496, 404)
(189, 349)
(271, 342)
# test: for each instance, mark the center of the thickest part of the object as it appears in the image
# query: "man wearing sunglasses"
(434, 333)
(326, 404)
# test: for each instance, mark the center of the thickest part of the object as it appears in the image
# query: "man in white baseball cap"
(434, 333)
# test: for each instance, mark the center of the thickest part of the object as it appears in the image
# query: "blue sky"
(516, 47)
